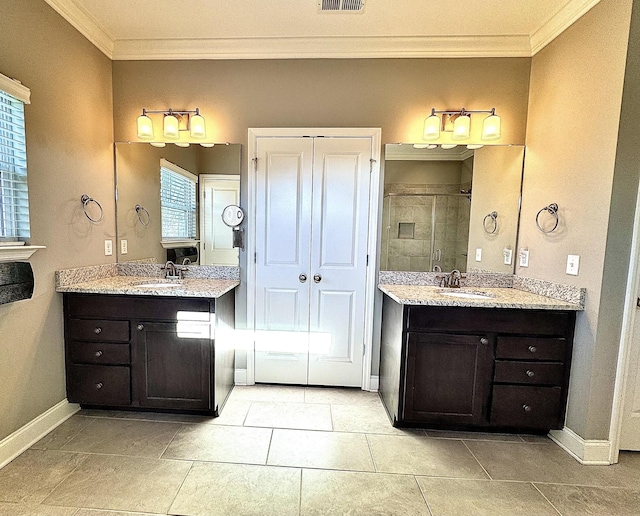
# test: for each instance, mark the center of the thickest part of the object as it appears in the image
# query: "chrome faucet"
(173, 271)
(454, 279)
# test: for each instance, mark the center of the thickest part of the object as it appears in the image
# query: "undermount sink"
(468, 295)
(157, 285)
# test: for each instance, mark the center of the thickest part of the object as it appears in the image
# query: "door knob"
(302, 278)
(484, 340)
(317, 278)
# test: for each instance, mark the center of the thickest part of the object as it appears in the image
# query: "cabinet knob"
(98, 353)
(526, 408)
(484, 340)
(97, 330)
(140, 326)
(530, 373)
(302, 278)
(533, 349)
(317, 278)
(99, 385)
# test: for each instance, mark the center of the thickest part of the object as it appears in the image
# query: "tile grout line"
(300, 494)
(66, 476)
(180, 487)
(373, 460)
(170, 441)
(266, 459)
(424, 497)
(543, 495)
(478, 461)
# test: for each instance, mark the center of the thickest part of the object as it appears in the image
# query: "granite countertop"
(497, 297)
(130, 285)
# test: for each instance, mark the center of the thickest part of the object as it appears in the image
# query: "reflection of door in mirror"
(217, 191)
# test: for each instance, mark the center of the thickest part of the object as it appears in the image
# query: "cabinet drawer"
(531, 348)
(99, 353)
(99, 330)
(541, 373)
(99, 385)
(526, 407)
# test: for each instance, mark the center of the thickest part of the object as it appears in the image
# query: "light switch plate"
(124, 247)
(479, 254)
(508, 256)
(524, 257)
(573, 264)
(108, 247)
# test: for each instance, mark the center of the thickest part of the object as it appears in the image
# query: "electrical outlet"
(524, 257)
(479, 254)
(108, 247)
(573, 264)
(124, 247)
(508, 255)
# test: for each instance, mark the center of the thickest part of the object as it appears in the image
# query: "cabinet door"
(448, 378)
(173, 365)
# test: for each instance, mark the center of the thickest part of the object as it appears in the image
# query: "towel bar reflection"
(143, 215)
(492, 225)
(552, 209)
(86, 201)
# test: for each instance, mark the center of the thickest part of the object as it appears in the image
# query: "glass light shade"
(474, 146)
(198, 130)
(207, 145)
(171, 128)
(432, 146)
(431, 128)
(182, 144)
(145, 128)
(461, 128)
(158, 144)
(491, 128)
(420, 145)
(448, 146)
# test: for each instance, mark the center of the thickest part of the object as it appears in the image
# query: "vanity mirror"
(451, 209)
(172, 198)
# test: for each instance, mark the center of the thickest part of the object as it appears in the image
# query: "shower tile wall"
(451, 228)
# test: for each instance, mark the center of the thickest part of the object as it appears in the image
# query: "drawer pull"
(98, 353)
(530, 373)
(526, 408)
(99, 385)
(484, 340)
(140, 327)
(533, 349)
(97, 330)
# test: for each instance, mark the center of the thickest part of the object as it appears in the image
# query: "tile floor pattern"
(302, 451)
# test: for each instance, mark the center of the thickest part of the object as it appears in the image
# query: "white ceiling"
(267, 29)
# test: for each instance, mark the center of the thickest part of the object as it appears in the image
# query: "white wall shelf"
(18, 253)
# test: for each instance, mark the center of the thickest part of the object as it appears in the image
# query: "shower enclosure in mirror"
(169, 202)
(437, 203)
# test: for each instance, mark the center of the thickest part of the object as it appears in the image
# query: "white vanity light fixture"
(158, 144)
(458, 122)
(181, 144)
(474, 146)
(446, 146)
(207, 145)
(173, 123)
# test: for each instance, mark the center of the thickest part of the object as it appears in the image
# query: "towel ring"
(552, 209)
(493, 220)
(139, 212)
(86, 200)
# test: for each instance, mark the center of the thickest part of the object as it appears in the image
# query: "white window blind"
(14, 199)
(177, 201)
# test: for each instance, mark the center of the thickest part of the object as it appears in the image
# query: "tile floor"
(302, 451)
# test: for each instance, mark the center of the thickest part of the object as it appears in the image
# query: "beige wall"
(574, 108)
(69, 126)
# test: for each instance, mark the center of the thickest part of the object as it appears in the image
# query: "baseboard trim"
(14, 444)
(240, 377)
(375, 384)
(590, 452)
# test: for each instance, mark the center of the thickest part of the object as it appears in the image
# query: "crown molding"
(522, 45)
(341, 47)
(559, 22)
(86, 24)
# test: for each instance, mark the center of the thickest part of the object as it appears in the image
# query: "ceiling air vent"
(341, 5)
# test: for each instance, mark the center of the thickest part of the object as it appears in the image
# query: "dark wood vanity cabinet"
(454, 367)
(145, 352)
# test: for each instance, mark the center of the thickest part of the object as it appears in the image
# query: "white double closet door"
(312, 205)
